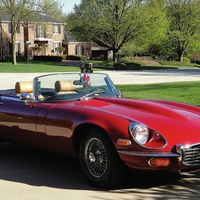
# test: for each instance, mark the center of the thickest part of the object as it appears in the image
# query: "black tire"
(100, 161)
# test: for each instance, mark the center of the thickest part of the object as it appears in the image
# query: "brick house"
(43, 37)
(89, 49)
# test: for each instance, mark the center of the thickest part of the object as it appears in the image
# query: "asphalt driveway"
(29, 174)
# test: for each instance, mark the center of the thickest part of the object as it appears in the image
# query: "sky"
(69, 4)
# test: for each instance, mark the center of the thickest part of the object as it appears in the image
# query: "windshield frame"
(87, 86)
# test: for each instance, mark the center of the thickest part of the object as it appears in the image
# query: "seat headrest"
(23, 87)
(61, 86)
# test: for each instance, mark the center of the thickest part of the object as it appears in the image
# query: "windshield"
(72, 86)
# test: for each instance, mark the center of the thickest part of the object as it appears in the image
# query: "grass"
(23, 67)
(187, 92)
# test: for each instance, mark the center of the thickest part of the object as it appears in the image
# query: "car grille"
(191, 155)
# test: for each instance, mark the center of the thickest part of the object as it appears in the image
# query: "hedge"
(48, 58)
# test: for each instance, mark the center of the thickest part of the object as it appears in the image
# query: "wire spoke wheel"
(99, 159)
(95, 157)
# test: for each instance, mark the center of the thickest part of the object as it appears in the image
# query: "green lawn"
(35, 67)
(187, 92)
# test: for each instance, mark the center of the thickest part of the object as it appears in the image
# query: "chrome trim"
(188, 145)
(10, 98)
(189, 171)
(149, 154)
(16, 99)
(180, 149)
(143, 145)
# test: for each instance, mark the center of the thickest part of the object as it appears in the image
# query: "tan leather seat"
(65, 87)
(24, 87)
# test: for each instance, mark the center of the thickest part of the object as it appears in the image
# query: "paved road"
(27, 174)
(7, 80)
(154, 76)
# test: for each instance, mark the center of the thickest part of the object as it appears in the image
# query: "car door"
(17, 119)
(54, 124)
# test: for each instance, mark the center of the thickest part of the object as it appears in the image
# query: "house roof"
(4, 17)
(45, 18)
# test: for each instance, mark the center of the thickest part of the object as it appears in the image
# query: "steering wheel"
(98, 89)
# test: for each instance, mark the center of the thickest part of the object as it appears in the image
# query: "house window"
(17, 48)
(79, 50)
(56, 29)
(40, 31)
(56, 44)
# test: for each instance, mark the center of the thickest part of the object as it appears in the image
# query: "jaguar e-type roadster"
(84, 115)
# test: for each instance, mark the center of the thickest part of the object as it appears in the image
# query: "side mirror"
(24, 96)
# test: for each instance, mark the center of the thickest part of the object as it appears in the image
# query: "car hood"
(178, 121)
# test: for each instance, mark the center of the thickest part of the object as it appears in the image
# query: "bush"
(131, 62)
(48, 58)
(76, 57)
(174, 63)
(109, 63)
(186, 60)
(197, 62)
(73, 57)
(60, 49)
(10, 59)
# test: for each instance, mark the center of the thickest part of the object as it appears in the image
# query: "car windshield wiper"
(91, 93)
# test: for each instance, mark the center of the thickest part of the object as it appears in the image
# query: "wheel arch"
(80, 131)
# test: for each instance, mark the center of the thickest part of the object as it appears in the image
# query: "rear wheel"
(99, 160)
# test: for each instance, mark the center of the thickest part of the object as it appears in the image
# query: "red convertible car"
(84, 115)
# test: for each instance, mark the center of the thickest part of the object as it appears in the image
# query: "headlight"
(139, 132)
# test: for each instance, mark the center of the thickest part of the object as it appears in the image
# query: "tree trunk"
(115, 60)
(180, 56)
(14, 59)
(13, 39)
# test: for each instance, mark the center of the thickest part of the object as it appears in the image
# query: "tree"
(113, 23)
(184, 19)
(21, 11)
(151, 41)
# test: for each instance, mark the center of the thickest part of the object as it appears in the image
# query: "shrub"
(76, 57)
(186, 60)
(18, 58)
(48, 58)
(131, 61)
(174, 63)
